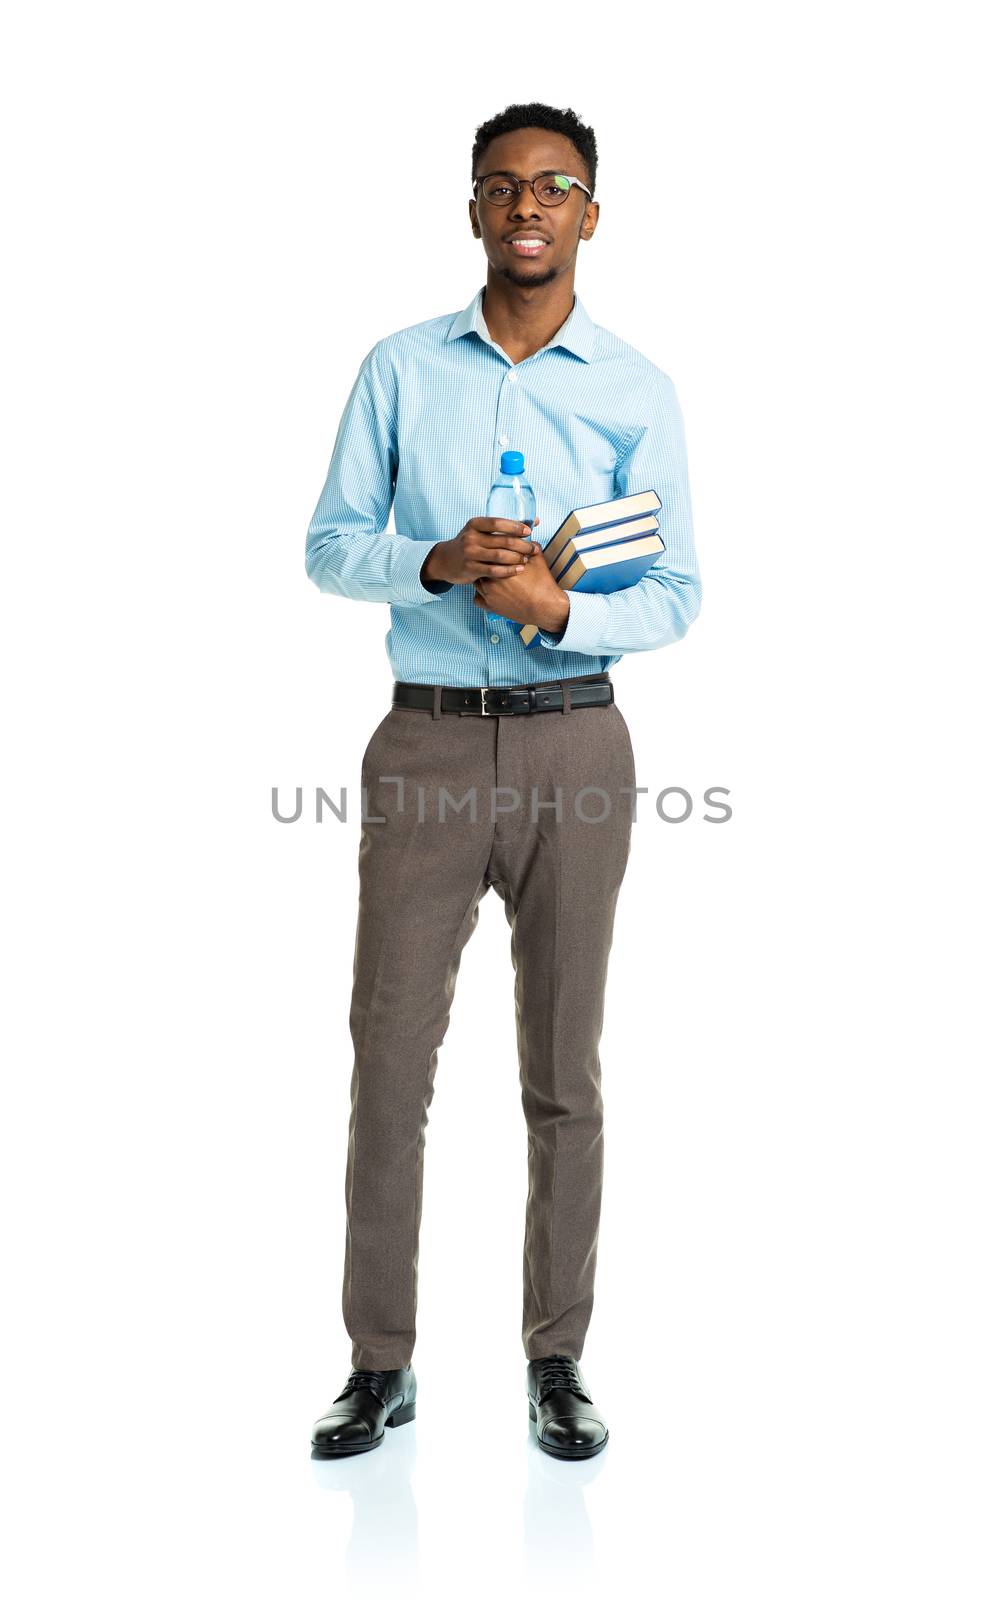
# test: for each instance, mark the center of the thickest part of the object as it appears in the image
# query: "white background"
(213, 213)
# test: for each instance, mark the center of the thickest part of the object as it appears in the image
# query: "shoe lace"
(376, 1382)
(559, 1372)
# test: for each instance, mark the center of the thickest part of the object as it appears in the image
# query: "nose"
(524, 205)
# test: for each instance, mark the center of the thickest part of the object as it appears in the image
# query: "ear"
(475, 225)
(590, 219)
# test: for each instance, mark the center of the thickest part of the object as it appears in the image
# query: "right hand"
(487, 547)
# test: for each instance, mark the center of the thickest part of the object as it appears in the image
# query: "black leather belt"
(596, 689)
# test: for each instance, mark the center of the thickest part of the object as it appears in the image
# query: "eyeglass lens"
(550, 190)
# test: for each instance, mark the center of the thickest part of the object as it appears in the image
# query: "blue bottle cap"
(512, 462)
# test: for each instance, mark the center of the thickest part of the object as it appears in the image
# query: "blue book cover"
(607, 569)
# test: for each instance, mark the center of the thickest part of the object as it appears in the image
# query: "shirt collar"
(576, 335)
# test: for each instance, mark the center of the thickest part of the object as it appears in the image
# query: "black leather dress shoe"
(357, 1417)
(567, 1424)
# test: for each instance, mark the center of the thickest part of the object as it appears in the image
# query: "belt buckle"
(484, 710)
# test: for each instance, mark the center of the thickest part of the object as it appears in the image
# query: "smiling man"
(493, 765)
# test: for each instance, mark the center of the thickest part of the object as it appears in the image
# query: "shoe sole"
(582, 1453)
(396, 1420)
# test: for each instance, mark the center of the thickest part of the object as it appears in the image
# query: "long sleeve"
(348, 551)
(660, 608)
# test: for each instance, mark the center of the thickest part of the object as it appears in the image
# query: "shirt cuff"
(406, 564)
(583, 626)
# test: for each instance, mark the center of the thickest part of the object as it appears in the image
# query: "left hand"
(533, 595)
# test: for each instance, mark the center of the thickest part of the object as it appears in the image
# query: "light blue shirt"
(432, 408)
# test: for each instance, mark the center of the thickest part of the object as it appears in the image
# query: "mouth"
(528, 246)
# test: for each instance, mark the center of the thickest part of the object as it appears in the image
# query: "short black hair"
(536, 115)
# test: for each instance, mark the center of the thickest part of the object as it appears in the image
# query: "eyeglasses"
(500, 188)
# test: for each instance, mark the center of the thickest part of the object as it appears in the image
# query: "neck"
(522, 318)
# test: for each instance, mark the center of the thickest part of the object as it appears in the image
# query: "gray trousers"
(422, 880)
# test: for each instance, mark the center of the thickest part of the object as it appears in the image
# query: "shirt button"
(494, 638)
(503, 439)
(512, 378)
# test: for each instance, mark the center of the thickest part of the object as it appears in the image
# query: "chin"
(527, 279)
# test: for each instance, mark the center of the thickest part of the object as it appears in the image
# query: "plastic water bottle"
(512, 498)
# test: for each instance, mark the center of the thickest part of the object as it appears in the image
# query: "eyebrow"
(548, 172)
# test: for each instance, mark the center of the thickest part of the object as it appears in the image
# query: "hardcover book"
(634, 529)
(605, 514)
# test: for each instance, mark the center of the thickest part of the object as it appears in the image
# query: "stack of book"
(601, 548)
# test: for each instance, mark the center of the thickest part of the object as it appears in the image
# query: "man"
(431, 411)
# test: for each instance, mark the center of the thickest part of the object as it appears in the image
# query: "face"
(525, 153)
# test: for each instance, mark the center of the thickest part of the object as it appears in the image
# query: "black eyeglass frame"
(520, 184)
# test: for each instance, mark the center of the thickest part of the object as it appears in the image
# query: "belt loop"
(437, 701)
(566, 689)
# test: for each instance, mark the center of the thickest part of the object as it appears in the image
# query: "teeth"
(528, 241)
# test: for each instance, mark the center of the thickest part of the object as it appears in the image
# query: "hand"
(533, 595)
(487, 547)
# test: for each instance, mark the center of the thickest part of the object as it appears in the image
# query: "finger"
(501, 557)
(482, 567)
(495, 552)
(497, 525)
(504, 541)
